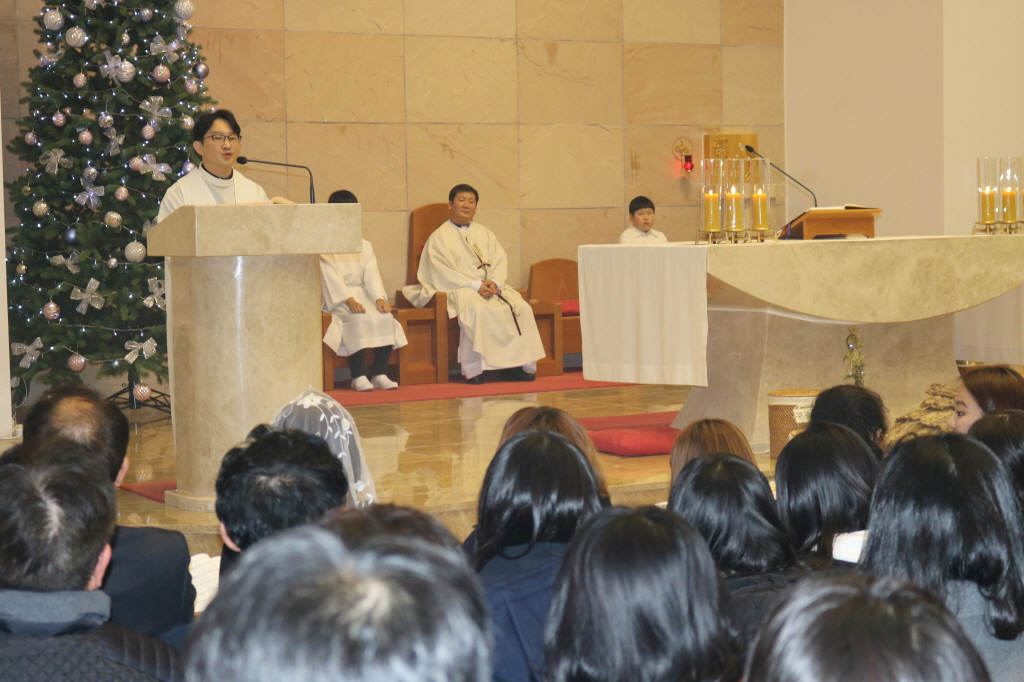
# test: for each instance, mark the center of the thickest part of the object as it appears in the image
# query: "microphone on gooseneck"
(751, 150)
(312, 196)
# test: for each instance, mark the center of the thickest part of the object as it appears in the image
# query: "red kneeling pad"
(635, 442)
(570, 307)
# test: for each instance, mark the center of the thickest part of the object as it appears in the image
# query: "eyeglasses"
(218, 138)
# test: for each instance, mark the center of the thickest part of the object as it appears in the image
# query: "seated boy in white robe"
(353, 293)
(641, 229)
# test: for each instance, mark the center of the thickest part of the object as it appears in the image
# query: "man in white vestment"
(464, 259)
(217, 138)
(641, 228)
(353, 293)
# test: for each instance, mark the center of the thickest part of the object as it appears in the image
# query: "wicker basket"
(788, 413)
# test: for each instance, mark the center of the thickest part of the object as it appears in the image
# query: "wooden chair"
(422, 223)
(557, 279)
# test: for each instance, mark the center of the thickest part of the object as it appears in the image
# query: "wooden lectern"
(243, 322)
(843, 220)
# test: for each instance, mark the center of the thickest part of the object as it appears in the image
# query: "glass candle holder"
(759, 179)
(988, 189)
(712, 183)
(735, 187)
(1009, 189)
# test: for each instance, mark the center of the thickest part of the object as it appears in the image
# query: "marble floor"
(430, 454)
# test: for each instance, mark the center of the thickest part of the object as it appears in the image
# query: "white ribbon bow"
(149, 165)
(91, 195)
(114, 146)
(157, 294)
(154, 107)
(147, 348)
(89, 297)
(71, 262)
(158, 46)
(110, 69)
(31, 352)
(53, 159)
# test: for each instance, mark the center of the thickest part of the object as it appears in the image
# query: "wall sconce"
(683, 150)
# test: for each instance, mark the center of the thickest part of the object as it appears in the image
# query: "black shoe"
(516, 374)
(475, 381)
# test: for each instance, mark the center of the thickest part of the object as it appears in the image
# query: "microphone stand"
(754, 151)
(312, 196)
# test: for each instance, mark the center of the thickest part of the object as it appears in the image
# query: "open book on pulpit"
(832, 222)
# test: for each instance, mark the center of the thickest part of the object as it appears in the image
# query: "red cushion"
(570, 307)
(635, 442)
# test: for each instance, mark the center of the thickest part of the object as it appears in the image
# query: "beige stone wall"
(558, 111)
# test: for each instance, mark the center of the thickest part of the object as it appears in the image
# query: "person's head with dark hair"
(640, 202)
(303, 606)
(74, 412)
(639, 599)
(729, 502)
(705, 436)
(217, 138)
(356, 525)
(462, 201)
(342, 196)
(538, 488)
(1002, 432)
(641, 213)
(862, 630)
(824, 477)
(276, 479)
(857, 407)
(56, 521)
(984, 390)
(945, 513)
(544, 418)
(205, 121)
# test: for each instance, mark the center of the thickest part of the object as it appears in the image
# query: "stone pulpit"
(243, 322)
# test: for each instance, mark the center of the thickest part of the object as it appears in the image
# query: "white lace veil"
(321, 415)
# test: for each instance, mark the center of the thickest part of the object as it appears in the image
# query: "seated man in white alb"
(641, 229)
(464, 259)
(217, 138)
(353, 293)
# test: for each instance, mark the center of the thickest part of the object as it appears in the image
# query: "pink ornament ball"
(80, 80)
(148, 132)
(30, 138)
(76, 363)
(85, 137)
(59, 119)
(161, 74)
(51, 311)
(191, 86)
(135, 163)
(142, 392)
(121, 193)
(187, 167)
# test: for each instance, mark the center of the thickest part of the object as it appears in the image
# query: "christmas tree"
(111, 107)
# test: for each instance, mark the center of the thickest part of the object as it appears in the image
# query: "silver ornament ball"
(112, 219)
(85, 137)
(201, 70)
(135, 163)
(30, 138)
(76, 37)
(40, 208)
(76, 363)
(145, 14)
(121, 193)
(105, 120)
(80, 81)
(71, 235)
(51, 311)
(187, 167)
(125, 72)
(90, 173)
(191, 86)
(187, 122)
(161, 74)
(21, 269)
(126, 38)
(112, 263)
(142, 392)
(135, 252)
(59, 119)
(53, 20)
(148, 132)
(183, 10)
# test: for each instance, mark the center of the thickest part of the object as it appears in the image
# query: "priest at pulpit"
(217, 138)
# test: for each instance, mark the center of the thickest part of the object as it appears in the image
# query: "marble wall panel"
(10, 83)
(752, 22)
(652, 170)
(564, 166)
(570, 82)
(350, 16)
(388, 231)
(506, 226)
(468, 18)
(27, 42)
(691, 22)
(556, 233)
(679, 223)
(460, 80)
(247, 70)
(771, 142)
(673, 84)
(332, 77)
(752, 86)
(366, 158)
(570, 19)
(26, 9)
(484, 156)
(264, 15)
(268, 141)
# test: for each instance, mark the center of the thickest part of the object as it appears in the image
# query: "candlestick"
(1009, 205)
(759, 206)
(712, 212)
(733, 210)
(988, 205)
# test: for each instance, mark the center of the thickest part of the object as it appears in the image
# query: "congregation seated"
(56, 523)
(946, 517)
(273, 481)
(356, 525)
(729, 502)
(859, 408)
(148, 580)
(863, 630)
(984, 390)
(304, 605)
(824, 478)
(537, 491)
(706, 436)
(1002, 432)
(640, 599)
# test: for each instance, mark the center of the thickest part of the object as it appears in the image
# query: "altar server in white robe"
(465, 260)
(217, 138)
(353, 293)
(641, 228)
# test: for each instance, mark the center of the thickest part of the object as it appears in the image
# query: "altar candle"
(988, 205)
(733, 210)
(759, 206)
(1009, 205)
(712, 212)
